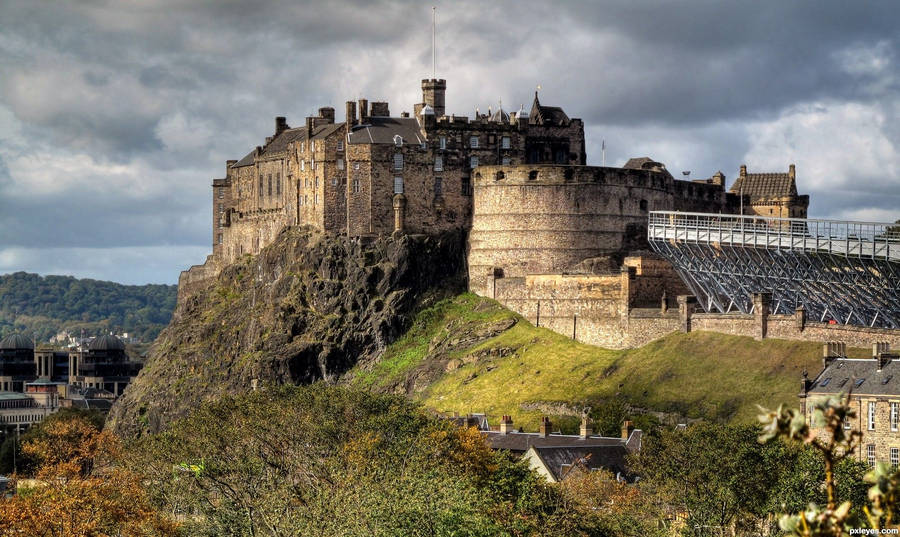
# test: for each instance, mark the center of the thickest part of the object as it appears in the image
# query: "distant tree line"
(42, 306)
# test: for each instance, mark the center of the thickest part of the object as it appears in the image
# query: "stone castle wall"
(546, 219)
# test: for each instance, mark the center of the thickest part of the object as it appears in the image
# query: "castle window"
(438, 164)
(870, 455)
(334, 181)
(340, 164)
(398, 161)
(221, 193)
(316, 199)
(895, 415)
(220, 238)
(473, 141)
(302, 165)
(340, 145)
(504, 142)
(221, 208)
(302, 146)
(895, 457)
(532, 175)
(466, 186)
(270, 184)
(438, 187)
(312, 146)
(356, 165)
(644, 205)
(505, 161)
(473, 162)
(443, 142)
(872, 415)
(398, 185)
(260, 186)
(278, 183)
(356, 186)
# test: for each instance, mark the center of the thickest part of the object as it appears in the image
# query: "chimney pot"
(280, 125)
(545, 427)
(627, 427)
(506, 425)
(586, 429)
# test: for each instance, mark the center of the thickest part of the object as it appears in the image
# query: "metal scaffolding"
(848, 272)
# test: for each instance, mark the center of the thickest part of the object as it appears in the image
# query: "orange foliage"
(79, 492)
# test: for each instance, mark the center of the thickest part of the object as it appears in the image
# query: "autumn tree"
(77, 490)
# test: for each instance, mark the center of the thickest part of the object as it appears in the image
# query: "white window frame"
(473, 142)
(895, 457)
(438, 163)
(443, 142)
(895, 415)
(356, 186)
(870, 455)
(356, 165)
(340, 145)
(871, 415)
(473, 162)
(340, 164)
(302, 165)
(505, 142)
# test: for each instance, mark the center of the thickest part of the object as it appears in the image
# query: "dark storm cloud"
(114, 116)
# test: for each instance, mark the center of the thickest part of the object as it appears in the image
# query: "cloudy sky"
(115, 116)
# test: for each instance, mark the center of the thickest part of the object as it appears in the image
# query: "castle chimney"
(363, 111)
(506, 425)
(433, 91)
(792, 171)
(229, 164)
(280, 125)
(351, 114)
(380, 109)
(327, 113)
(545, 427)
(586, 429)
(310, 123)
(881, 353)
(627, 427)
(743, 170)
(833, 350)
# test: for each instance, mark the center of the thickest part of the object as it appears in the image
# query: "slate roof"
(637, 163)
(280, 143)
(14, 342)
(844, 373)
(381, 130)
(560, 460)
(520, 442)
(541, 114)
(107, 343)
(765, 185)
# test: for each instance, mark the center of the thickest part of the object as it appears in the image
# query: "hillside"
(308, 307)
(45, 305)
(469, 354)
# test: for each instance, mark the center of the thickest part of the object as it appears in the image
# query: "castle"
(545, 230)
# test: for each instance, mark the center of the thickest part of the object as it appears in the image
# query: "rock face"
(308, 307)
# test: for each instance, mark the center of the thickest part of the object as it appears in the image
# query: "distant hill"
(42, 306)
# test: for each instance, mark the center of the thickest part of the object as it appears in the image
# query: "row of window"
(871, 460)
(438, 162)
(895, 416)
(269, 180)
(21, 418)
(474, 142)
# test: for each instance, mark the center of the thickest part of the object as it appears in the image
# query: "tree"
(717, 476)
(325, 460)
(827, 435)
(78, 491)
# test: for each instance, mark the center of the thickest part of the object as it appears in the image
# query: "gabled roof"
(541, 114)
(280, 143)
(381, 130)
(559, 461)
(765, 185)
(845, 373)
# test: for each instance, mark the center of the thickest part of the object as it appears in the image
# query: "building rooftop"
(107, 343)
(381, 130)
(765, 185)
(862, 375)
(560, 460)
(521, 442)
(12, 396)
(14, 342)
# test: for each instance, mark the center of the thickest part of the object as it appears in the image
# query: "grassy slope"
(698, 375)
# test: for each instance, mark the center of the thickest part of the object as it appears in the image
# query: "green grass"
(430, 325)
(698, 375)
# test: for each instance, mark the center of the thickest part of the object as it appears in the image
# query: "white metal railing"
(858, 239)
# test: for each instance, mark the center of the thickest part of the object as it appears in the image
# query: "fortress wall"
(197, 277)
(652, 278)
(792, 327)
(544, 219)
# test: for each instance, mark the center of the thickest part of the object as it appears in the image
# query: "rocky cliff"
(308, 307)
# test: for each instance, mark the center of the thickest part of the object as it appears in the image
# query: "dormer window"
(398, 140)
